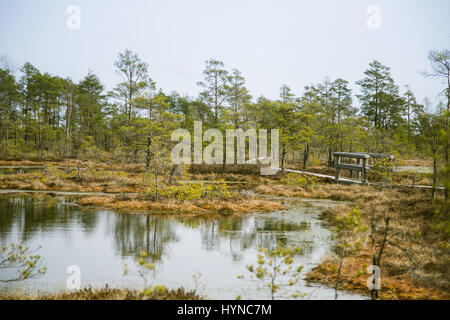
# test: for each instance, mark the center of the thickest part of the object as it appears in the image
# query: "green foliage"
(295, 179)
(382, 170)
(89, 150)
(46, 117)
(276, 269)
(145, 269)
(379, 99)
(18, 263)
(193, 191)
(442, 214)
(215, 85)
(52, 173)
(135, 74)
(349, 232)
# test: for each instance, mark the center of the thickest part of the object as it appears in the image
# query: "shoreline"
(411, 210)
(57, 294)
(107, 293)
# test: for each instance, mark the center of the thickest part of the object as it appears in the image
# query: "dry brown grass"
(420, 269)
(416, 162)
(106, 177)
(127, 166)
(248, 179)
(89, 182)
(133, 184)
(394, 287)
(336, 192)
(194, 207)
(99, 179)
(106, 294)
(426, 276)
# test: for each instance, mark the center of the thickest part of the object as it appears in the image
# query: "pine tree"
(215, 87)
(380, 101)
(135, 75)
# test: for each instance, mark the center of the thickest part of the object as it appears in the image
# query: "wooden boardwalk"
(351, 181)
(323, 176)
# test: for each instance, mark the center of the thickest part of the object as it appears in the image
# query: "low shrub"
(191, 191)
(294, 179)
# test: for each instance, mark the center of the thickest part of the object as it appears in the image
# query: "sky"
(272, 42)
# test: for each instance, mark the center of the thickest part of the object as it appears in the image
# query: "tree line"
(45, 116)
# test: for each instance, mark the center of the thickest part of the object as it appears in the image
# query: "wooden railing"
(364, 162)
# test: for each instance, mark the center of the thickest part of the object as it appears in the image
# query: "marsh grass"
(106, 293)
(239, 204)
(102, 177)
(417, 267)
(415, 263)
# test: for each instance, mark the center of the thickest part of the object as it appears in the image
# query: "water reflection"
(102, 241)
(20, 169)
(135, 233)
(26, 216)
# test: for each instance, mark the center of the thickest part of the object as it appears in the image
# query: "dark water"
(101, 242)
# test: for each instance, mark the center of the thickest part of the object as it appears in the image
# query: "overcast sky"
(270, 42)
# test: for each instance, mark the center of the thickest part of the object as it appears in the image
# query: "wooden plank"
(337, 172)
(352, 155)
(378, 155)
(324, 176)
(318, 175)
(349, 181)
(391, 157)
(354, 167)
(358, 173)
(364, 179)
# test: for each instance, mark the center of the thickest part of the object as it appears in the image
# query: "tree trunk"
(434, 148)
(305, 156)
(338, 280)
(283, 159)
(329, 158)
(447, 127)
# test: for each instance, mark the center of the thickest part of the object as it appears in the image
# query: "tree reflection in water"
(240, 233)
(26, 217)
(29, 216)
(101, 241)
(136, 233)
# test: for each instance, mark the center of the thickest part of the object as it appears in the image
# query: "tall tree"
(440, 64)
(28, 90)
(430, 126)
(237, 96)
(341, 108)
(327, 116)
(9, 97)
(310, 131)
(215, 86)
(49, 94)
(412, 109)
(380, 101)
(70, 91)
(286, 94)
(135, 75)
(90, 101)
